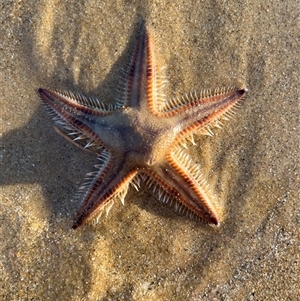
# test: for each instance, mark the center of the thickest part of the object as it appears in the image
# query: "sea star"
(141, 137)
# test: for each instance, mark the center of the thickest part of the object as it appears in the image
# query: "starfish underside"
(141, 138)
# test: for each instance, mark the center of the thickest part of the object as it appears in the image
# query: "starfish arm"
(74, 115)
(201, 114)
(181, 189)
(110, 179)
(67, 100)
(142, 77)
(134, 80)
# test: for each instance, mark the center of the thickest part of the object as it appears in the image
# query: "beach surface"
(143, 251)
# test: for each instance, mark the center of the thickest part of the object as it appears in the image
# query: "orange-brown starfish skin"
(139, 138)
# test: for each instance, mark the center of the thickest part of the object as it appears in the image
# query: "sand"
(143, 251)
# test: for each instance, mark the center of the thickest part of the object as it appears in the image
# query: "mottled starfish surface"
(141, 138)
